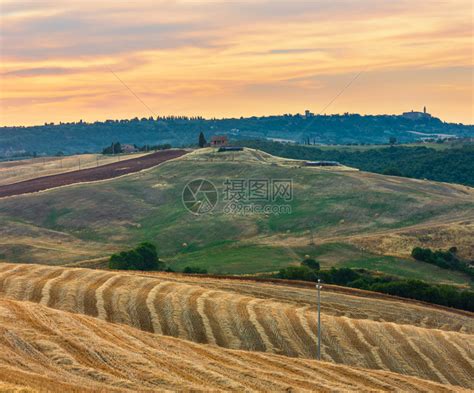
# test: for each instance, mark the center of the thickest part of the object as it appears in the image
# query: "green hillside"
(89, 221)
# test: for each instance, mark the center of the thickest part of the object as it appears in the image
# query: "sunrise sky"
(233, 58)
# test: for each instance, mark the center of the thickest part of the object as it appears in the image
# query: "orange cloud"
(231, 59)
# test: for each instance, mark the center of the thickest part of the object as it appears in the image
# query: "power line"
(131, 91)
(332, 100)
(342, 91)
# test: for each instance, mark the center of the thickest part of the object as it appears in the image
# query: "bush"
(142, 257)
(442, 259)
(194, 270)
(149, 255)
(342, 276)
(311, 263)
(118, 261)
(297, 273)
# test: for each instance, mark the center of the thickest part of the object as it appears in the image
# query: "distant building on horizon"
(219, 140)
(308, 113)
(413, 115)
(126, 148)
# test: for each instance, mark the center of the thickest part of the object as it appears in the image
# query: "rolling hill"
(47, 350)
(345, 217)
(374, 333)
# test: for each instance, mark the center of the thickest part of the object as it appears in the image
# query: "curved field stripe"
(200, 304)
(387, 355)
(100, 296)
(149, 301)
(90, 293)
(191, 319)
(254, 319)
(417, 362)
(163, 308)
(13, 272)
(370, 351)
(46, 285)
(142, 310)
(218, 319)
(428, 358)
(178, 302)
(300, 335)
(250, 338)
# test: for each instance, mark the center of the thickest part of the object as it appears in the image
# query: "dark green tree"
(311, 263)
(118, 261)
(114, 148)
(303, 273)
(194, 270)
(150, 256)
(142, 257)
(202, 140)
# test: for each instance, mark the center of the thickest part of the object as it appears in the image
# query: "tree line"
(443, 259)
(452, 165)
(80, 137)
(445, 295)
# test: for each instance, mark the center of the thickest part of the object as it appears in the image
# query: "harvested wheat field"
(48, 350)
(382, 334)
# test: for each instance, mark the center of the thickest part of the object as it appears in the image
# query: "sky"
(67, 60)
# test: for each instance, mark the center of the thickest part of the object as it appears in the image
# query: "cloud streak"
(224, 58)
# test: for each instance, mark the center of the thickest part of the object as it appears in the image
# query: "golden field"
(55, 351)
(380, 333)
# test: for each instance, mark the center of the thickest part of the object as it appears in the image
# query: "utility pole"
(319, 287)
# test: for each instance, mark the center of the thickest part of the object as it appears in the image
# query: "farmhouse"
(219, 140)
(129, 148)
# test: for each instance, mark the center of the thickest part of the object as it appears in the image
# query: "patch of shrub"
(297, 273)
(311, 263)
(142, 257)
(194, 270)
(443, 259)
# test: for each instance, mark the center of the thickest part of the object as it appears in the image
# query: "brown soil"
(91, 174)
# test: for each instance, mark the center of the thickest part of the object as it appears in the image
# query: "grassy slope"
(87, 221)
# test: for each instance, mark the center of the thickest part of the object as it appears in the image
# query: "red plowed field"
(91, 174)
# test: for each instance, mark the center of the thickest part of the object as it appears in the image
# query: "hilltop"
(343, 216)
(73, 138)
